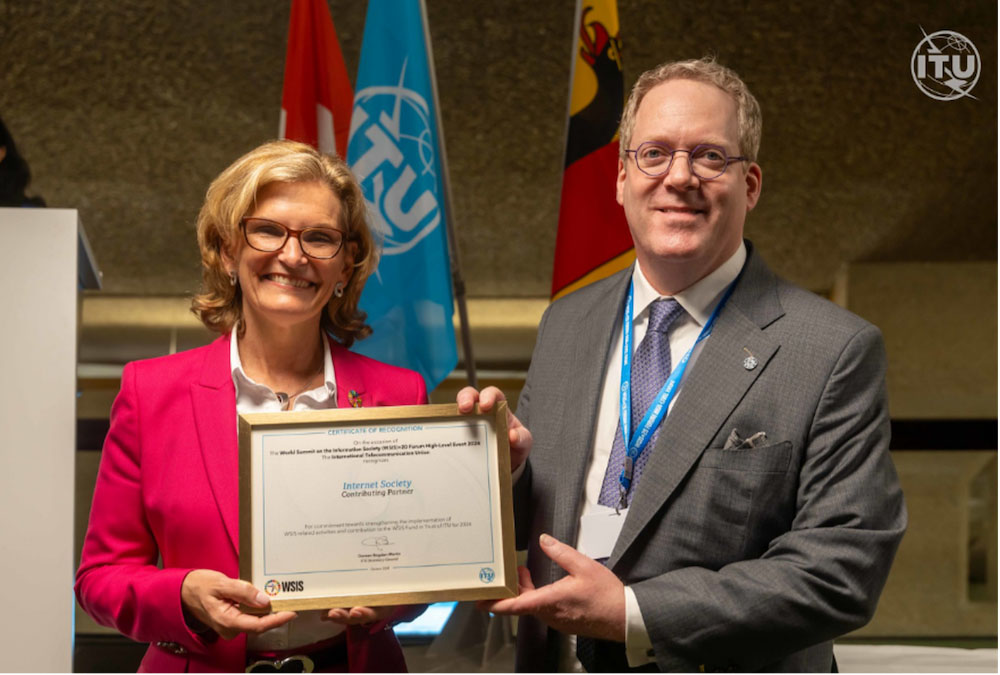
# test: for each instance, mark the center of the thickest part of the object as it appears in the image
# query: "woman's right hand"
(212, 599)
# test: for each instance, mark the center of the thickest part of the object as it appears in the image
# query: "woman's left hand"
(360, 615)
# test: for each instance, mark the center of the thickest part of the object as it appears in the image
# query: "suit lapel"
(596, 328)
(214, 400)
(351, 390)
(712, 389)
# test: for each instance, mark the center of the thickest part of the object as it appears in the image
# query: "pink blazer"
(167, 488)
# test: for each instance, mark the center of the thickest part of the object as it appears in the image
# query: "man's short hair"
(705, 70)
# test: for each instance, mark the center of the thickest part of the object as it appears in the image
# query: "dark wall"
(126, 111)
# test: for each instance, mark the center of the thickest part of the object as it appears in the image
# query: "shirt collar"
(244, 382)
(698, 299)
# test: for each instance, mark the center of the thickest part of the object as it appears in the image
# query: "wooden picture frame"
(376, 506)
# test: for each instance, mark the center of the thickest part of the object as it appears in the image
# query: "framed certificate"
(376, 506)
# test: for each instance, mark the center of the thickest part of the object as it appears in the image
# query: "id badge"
(599, 530)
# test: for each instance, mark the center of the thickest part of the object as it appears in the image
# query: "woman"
(286, 251)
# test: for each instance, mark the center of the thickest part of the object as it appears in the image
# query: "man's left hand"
(589, 601)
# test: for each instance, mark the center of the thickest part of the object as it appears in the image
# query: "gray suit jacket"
(741, 559)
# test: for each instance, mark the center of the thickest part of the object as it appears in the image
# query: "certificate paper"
(376, 506)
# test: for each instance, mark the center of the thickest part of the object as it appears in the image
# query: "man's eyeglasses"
(707, 162)
(268, 236)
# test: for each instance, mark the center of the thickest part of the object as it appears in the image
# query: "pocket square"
(737, 442)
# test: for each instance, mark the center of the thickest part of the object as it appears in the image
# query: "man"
(764, 511)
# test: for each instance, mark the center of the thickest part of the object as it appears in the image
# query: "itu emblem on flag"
(397, 166)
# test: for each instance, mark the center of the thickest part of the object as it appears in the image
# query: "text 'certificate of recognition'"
(377, 511)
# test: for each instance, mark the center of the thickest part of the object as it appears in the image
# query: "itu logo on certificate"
(486, 575)
(946, 65)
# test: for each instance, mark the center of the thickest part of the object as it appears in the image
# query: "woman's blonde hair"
(233, 196)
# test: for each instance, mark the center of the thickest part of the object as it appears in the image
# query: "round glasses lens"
(708, 161)
(321, 242)
(264, 235)
(653, 158)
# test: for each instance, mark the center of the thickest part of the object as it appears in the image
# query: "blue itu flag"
(393, 150)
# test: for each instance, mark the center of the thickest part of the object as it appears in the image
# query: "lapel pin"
(354, 398)
(750, 362)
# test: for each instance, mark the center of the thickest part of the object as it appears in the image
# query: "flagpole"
(573, 56)
(457, 282)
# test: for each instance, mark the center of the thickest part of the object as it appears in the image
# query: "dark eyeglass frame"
(690, 153)
(297, 234)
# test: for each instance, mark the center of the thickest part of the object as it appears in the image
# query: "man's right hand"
(519, 436)
(212, 599)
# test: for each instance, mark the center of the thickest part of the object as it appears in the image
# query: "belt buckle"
(279, 665)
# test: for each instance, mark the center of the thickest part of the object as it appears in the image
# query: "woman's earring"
(232, 277)
(338, 290)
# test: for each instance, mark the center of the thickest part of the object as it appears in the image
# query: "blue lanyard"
(651, 420)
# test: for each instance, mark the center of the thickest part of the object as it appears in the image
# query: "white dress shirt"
(698, 301)
(252, 397)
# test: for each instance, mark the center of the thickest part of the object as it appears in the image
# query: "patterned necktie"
(650, 369)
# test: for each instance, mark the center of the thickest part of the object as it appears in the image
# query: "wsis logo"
(273, 587)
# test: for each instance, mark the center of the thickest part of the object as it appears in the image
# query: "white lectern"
(41, 277)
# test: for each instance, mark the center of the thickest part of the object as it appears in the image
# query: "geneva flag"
(393, 151)
(316, 98)
(593, 239)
